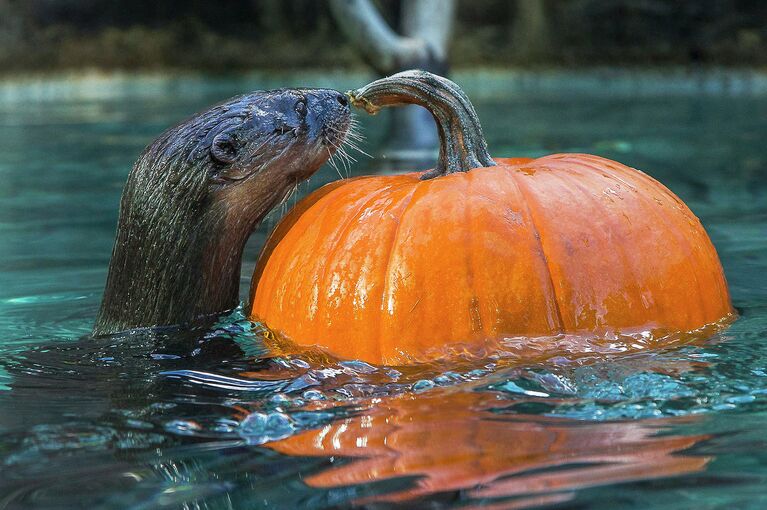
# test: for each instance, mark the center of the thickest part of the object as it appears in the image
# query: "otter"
(196, 194)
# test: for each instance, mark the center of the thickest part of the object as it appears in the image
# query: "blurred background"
(236, 35)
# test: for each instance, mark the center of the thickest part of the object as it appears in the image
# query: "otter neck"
(173, 268)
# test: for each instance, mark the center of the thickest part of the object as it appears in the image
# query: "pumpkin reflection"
(459, 441)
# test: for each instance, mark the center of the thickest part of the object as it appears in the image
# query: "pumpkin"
(393, 268)
(450, 441)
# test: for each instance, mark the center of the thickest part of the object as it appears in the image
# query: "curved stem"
(462, 146)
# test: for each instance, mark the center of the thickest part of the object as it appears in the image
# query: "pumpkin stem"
(461, 144)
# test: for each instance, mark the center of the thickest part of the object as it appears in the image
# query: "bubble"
(259, 428)
(358, 367)
(423, 385)
(183, 427)
(313, 395)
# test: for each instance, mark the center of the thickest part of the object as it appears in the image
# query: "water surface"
(207, 418)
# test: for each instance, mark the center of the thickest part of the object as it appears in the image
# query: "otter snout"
(329, 116)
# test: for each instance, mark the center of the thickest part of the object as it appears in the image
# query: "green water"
(191, 419)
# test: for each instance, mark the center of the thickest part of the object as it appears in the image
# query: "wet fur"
(185, 216)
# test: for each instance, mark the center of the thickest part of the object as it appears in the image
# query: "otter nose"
(329, 111)
(336, 102)
(329, 101)
(332, 105)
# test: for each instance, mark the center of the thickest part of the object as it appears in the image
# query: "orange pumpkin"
(390, 269)
(449, 441)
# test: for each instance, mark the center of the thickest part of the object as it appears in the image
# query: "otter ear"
(224, 148)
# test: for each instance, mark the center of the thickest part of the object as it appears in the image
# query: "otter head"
(199, 190)
(290, 132)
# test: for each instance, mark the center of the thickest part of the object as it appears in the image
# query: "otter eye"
(224, 148)
(300, 106)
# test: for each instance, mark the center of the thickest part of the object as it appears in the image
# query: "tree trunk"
(531, 33)
(425, 28)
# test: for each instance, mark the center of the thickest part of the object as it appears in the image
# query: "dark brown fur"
(197, 193)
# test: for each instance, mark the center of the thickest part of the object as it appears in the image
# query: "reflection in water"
(451, 441)
(162, 419)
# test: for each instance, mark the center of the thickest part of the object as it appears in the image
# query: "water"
(206, 418)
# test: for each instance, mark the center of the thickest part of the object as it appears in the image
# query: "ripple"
(228, 383)
(209, 418)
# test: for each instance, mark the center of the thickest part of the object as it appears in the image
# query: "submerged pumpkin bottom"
(391, 269)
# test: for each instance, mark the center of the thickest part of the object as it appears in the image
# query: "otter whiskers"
(340, 142)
